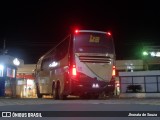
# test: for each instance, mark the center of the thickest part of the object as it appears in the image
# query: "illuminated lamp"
(74, 71)
(16, 62)
(158, 54)
(145, 53)
(153, 54)
(1, 70)
(113, 71)
(93, 85)
(53, 64)
(76, 31)
(117, 84)
(1, 67)
(108, 33)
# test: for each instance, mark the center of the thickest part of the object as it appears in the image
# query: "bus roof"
(94, 31)
(91, 31)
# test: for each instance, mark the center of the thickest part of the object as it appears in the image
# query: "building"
(8, 71)
(151, 57)
(129, 65)
(25, 87)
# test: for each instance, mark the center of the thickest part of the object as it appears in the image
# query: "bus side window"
(42, 65)
(45, 64)
(48, 59)
(38, 66)
(63, 49)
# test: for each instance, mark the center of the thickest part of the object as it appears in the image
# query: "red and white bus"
(82, 64)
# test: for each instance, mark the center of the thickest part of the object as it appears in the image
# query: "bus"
(82, 64)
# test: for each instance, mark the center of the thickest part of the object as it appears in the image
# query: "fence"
(140, 84)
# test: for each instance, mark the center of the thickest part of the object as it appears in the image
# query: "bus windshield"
(89, 42)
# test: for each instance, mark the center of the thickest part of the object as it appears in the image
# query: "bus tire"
(111, 94)
(53, 90)
(39, 95)
(57, 91)
(63, 97)
(38, 92)
(58, 94)
(102, 95)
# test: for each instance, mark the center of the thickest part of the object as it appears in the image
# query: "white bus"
(82, 65)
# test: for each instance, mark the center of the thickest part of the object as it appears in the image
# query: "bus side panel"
(43, 82)
(59, 73)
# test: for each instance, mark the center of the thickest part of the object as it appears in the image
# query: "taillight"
(108, 33)
(114, 71)
(117, 85)
(74, 71)
(76, 31)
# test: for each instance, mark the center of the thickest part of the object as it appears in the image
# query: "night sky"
(32, 28)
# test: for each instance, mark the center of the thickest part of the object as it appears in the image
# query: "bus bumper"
(94, 87)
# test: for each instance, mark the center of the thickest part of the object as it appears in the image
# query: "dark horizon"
(32, 28)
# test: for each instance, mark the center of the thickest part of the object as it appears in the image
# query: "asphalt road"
(113, 109)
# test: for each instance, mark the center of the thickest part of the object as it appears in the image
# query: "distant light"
(1, 67)
(1, 70)
(30, 82)
(16, 62)
(76, 31)
(145, 53)
(153, 54)
(158, 54)
(108, 33)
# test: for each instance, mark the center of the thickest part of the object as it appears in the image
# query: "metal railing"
(140, 84)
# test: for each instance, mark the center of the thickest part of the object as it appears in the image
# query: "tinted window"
(93, 43)
(56, 54)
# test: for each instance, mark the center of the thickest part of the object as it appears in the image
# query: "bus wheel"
(63, 97)
(54, 91)
(39, 95)
(38, 92)
(102, 95)
(57, 91)
(111, 95)
(58, 94)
